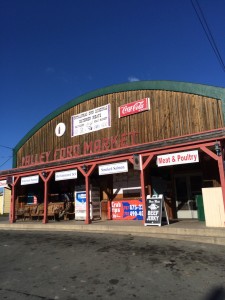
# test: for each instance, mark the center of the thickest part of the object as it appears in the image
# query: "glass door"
(187, 186)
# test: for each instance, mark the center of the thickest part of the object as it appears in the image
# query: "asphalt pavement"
(56, 265)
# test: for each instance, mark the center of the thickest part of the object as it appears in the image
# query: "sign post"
(154, 210)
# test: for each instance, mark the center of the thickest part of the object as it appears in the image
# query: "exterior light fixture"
(9, 180)
(44, 174)
(84, 168)
(217, 148)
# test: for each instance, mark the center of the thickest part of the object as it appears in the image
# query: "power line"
(208, 32)
(9, 157)
(6, 147)
(5, 161)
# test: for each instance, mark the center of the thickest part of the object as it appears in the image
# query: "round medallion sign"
(60, 129)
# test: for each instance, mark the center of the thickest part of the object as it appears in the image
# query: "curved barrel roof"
(190, 88)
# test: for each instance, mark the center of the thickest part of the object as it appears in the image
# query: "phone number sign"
(127, 210)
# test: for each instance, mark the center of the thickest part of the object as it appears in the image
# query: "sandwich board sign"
(154, 210)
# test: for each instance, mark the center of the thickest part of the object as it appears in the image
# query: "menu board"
(154, 208)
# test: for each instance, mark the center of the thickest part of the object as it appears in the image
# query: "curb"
(203, 235)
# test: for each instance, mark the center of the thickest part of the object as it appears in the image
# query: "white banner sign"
(64, 175)
(91, 120)
(3, 183)
(30, 180)
(119, 167)
(178, 158)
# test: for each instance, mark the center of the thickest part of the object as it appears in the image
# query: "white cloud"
(133, 78)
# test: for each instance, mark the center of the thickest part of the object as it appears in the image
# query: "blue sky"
(52, 51)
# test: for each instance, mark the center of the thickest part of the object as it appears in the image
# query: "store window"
(127, 185)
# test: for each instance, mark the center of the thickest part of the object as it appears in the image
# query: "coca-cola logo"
(134, 107)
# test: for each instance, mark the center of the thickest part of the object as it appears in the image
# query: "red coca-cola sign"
(134, 107)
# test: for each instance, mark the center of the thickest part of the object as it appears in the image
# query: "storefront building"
(105, 151)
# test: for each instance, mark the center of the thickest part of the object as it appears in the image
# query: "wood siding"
(172, 114)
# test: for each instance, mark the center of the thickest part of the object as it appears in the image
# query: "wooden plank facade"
(172, 114)
(181, 117)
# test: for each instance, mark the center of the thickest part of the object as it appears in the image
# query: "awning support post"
(12, 218)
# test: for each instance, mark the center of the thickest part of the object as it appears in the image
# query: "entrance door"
(187, 187)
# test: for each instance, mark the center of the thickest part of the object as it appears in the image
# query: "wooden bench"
(27, 212)
(40, 211)
(54, 209)
(19, 212)
(36, 211)
(33, 211)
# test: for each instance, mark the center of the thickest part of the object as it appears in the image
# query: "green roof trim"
(190, 88)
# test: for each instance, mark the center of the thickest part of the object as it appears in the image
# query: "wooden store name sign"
(92, 147)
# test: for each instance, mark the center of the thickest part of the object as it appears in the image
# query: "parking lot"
(76, 265)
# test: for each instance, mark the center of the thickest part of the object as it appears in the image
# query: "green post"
(200, 207)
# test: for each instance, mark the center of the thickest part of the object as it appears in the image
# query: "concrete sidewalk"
(190, 230)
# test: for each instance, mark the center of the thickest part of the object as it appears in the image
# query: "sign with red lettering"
(85, 148)
(134, 107)
(178, 158)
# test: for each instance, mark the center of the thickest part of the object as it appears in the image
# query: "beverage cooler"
(80, 203)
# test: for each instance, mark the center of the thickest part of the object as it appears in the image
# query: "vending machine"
(80, 203)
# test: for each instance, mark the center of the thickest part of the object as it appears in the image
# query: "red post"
(109, 214)
(12, 218)
(143, 194)
(89, 171)
(222, 177)
(142, 179)
(12, 208)
(45, 218)
(45, 177)
(87, 186)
